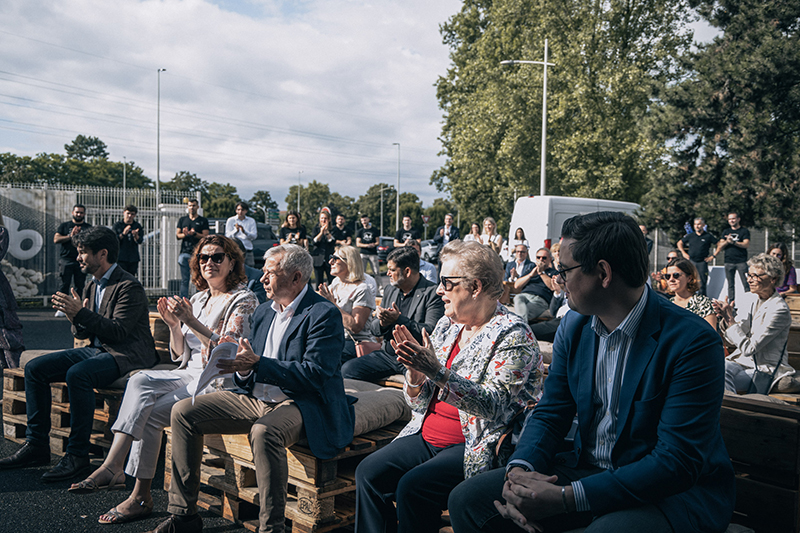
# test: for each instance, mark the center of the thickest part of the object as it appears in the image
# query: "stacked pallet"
(321, 492)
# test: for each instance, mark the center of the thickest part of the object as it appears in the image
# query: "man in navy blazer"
(289, 372)
(645, 379)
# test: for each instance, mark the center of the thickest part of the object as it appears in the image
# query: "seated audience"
(759, 329)
(532, 281)
(464, 384)
(789, 285)
(112, 314)
(222, 306)
(683, 281)
(427, 270)
(352, 296)
(289, 381)
(546, 331)
(409, 301)
(647, 453)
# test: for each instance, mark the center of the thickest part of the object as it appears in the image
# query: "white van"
(541, 217)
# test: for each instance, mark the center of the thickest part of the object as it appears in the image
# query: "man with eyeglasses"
(533, 281)
(411, 301)
(645, 379)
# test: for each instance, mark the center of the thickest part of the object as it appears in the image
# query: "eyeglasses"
(334, 258)
(542, 257)
(675, 275)
(521, 251)
(447, 282)
(562, 272)
(218, 257)
(755, 276)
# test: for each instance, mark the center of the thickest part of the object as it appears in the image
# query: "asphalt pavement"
(28, 505)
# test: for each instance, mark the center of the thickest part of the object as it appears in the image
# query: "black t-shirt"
(128, 244)
(404, 234)
(325, 246)
(68, 250)
(699, 245)
(734, 254)
(368, 236)
(293, 235)
(341, 234)
(537, 286)
(200, 224)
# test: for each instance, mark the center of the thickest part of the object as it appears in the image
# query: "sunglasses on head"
(217, 258)
(674, 275)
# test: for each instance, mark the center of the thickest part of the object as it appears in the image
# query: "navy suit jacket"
(669, 449)
(308, 370)
(439, 239)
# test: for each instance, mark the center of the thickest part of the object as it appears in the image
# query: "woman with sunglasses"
(352, 296)
(759, 330)
(222, 306)
(465, 384)
(789, 286)
(683, 282)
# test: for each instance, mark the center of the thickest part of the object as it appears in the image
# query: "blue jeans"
(372, 367)
(84, 369)
(472, 509)
(186, 273)
(418, 476)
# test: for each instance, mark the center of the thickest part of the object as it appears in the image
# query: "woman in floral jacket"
(465, 384)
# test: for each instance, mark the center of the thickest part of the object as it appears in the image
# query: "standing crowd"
(623, 436)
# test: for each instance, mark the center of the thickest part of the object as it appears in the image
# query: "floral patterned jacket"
(494, 376)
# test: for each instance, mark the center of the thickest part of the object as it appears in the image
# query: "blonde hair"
(352, 259)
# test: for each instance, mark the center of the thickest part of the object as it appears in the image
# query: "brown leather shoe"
(28, 455)
(176, 524)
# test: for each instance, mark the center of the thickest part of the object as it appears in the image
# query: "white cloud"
(254, 91)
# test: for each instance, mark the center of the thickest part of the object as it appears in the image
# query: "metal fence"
(32, 214)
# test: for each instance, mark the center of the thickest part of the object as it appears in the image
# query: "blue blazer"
(669, 449)
(308, 370)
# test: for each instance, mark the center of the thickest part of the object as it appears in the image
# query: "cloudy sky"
(256, 93)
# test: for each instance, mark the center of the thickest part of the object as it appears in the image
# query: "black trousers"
(68, 272)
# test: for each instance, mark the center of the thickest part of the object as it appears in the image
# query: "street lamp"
(542, 182)
(265, 212)
(158, 141)
(397, 213)
(383, 188)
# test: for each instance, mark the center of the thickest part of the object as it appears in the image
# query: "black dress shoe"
(28, 455)
(70, 466)
(180, 524)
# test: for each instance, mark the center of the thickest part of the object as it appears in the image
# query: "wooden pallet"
(321, 493)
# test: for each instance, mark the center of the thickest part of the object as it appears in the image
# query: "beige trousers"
(271, 428)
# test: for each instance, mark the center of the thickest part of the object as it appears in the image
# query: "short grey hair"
(477, 262)
(293, 259)
(771, 265)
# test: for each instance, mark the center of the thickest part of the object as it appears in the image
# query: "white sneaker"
(60, 314)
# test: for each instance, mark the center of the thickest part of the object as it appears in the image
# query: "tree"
(313, 197)
(612, 58)
(735, 124)
(86, 149)
(221, 201)
(369, 204)
(438, 210)
(264, 199)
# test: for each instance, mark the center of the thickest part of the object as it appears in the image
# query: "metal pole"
(381, 211)
(158, 140)
(397, 213)
(542, 179)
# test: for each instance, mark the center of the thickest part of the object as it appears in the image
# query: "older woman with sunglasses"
(222, 306)
(465, 384)
(351, 295)
(683, 282)
(759, 330)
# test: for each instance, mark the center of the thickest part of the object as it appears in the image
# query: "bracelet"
(412, 385)
(564, 499)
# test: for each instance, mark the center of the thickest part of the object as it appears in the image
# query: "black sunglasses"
(218, 257)
(674, 275)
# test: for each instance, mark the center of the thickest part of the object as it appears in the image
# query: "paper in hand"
(226, 350)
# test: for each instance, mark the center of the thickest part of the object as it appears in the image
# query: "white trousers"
(145, 412)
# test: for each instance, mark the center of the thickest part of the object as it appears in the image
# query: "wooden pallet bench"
(321, 492)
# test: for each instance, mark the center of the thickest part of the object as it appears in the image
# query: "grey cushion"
(377, 406)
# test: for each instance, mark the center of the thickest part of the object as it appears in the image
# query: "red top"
(442, 426)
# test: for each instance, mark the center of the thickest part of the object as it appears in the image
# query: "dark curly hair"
(232, 250)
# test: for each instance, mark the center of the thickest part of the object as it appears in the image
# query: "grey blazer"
(426, 310)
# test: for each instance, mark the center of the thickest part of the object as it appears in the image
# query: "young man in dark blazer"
(113, 317)
(645, 379)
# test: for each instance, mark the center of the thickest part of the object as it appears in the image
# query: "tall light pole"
(158, 140)
(542, 182)
(397, 213)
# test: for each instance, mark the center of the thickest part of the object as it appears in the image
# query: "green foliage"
(612, 58)
(55, 168)
(438, 210)
(369, 204)
(187, 181)
(735, 123)
(313, 197)
(86, 149)
(264, 199)
(221, 201)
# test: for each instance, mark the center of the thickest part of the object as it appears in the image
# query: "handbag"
(762, 381)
